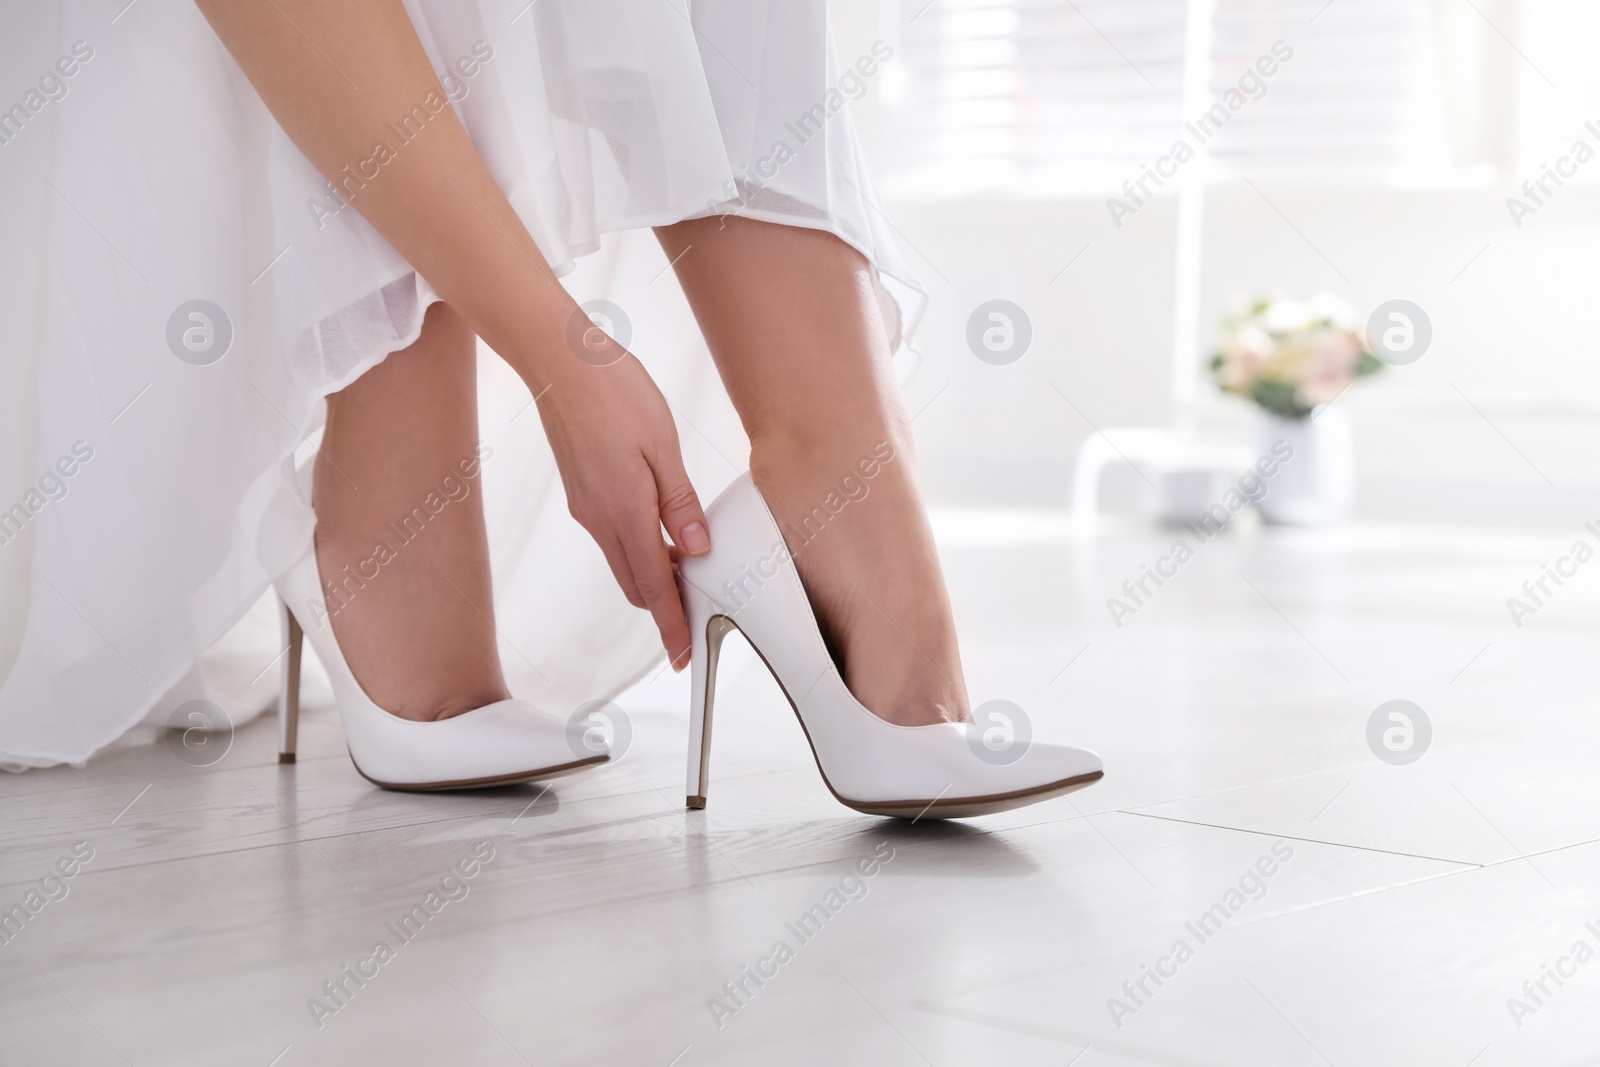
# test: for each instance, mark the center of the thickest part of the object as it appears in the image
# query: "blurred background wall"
(1376, 164)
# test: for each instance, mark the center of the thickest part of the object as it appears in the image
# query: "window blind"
(997, 90)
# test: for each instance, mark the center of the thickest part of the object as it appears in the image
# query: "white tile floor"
(1231, 710)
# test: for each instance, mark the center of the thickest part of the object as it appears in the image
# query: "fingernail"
(696, 541)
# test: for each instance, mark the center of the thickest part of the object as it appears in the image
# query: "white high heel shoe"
(504, 743)
(749, 582)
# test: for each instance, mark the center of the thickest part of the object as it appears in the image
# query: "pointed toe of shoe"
(947, 772)
(1041, 771)
(1048, 763)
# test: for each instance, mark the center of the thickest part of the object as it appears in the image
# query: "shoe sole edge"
(967, 807)
(489, 782)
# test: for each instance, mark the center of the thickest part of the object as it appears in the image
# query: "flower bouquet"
(1292, 356)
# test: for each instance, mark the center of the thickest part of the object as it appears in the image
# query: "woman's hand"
(617, 450)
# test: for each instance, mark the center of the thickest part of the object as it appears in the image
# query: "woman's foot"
(854, 520)
(401, 544)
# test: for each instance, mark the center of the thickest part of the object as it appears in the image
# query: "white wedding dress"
(149, 491)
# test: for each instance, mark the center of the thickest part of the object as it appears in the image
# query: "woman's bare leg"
(400, 533)
(793, 323)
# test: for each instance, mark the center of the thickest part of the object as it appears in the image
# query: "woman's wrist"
(536, 345)
(566, 351)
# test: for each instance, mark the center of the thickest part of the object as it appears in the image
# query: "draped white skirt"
(179, 289)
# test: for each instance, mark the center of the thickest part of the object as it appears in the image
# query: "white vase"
(1315, 483)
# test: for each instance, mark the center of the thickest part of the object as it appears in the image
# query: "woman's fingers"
(617, 560)
(657, 585)
(643, 566)
(681, 513)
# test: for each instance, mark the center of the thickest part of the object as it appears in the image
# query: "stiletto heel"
(504, 743)
(289, 686)
(944, 770)
(713, 628)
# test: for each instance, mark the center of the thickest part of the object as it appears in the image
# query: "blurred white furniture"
(1169, 460)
